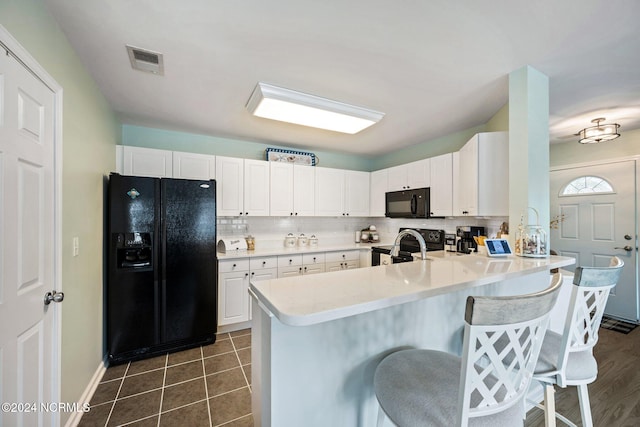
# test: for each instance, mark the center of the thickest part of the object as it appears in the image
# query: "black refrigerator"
(161, 287)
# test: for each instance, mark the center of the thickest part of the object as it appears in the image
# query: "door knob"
(53, 296)
(626, 248)
(627, 237)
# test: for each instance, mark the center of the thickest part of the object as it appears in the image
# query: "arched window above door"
(584, 185)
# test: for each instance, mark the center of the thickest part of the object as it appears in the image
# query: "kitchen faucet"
(396, 244)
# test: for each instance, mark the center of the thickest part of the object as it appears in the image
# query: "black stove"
(434, 241)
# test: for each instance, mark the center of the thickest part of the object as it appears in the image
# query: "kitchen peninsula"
(316, 340)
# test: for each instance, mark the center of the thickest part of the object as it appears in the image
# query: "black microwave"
(408, 203)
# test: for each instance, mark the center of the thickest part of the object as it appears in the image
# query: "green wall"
(181, 141)
(90, 133)
(628, 144)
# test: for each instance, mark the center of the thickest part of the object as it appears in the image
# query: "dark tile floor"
(205, 386)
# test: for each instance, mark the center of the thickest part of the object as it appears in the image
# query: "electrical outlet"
(76, 246)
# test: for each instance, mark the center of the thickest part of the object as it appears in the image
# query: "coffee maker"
(464, 238)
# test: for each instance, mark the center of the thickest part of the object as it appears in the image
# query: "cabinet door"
(266, 274)
(233, 300)
(418, 174)
(281, 189)
(442, 185)
(256, 187)
(193, 166)
(304, 190)
(468, 177)
(148, 162)
(230, 186)
(457, 199)
(313, 269)
(335, 266)
(356, 193)
(289, 271)
(377, 190)
(397, 178)
(329, 192)
(493, 174)
(351, 264)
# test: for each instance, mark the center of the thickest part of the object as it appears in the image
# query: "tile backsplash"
(270, 231)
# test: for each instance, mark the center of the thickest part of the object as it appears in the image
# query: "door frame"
(7, 41)
(636, 159)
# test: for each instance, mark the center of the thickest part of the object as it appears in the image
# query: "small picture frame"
(290, 156)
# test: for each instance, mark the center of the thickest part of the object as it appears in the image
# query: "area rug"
(617, 325)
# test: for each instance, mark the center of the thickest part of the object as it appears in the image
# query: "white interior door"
(599, 222)
(28, 371)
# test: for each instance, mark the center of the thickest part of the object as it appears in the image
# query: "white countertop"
(317, 298)
(258, 252)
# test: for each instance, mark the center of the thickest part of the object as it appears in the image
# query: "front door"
(596, 219)
(28, 334)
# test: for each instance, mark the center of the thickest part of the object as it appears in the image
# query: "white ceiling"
(433, 66)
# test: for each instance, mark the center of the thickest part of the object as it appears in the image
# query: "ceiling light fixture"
(286, 105)
(599, 133)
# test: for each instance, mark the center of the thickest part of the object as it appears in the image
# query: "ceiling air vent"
(146, 60)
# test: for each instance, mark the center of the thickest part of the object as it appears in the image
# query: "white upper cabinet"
(356, 201)
(194, 166)
(341, 193)
(329, 186)
(378, 189)
(304, 183)
(441, 194)
(256, 187)
(483, 173)
(243, 186)
(292, 189)
(281, 194)
(230, 186)
(151, 162)
(411, 175)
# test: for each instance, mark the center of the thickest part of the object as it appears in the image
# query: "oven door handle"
(414, 204)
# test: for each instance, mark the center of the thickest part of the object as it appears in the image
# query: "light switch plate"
(76, 246)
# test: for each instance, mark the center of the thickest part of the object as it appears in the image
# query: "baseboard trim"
(75, 417)
(234, 327)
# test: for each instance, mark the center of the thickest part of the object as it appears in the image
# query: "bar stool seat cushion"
(420, 388)
(580, 366)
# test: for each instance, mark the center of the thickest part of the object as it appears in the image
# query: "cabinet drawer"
(342, 256)
(260, 263)
(233, 265)
(312, 259)
(289, 260)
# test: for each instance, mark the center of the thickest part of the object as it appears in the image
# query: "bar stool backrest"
(495, 377)
(589, 294)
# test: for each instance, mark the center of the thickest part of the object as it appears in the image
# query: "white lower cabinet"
(313, 263)
(234, 276)
(233, 291)
(337, 261)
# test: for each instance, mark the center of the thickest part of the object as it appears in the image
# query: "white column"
(528, 147)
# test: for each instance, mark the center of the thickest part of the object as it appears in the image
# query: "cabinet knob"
(246, 274)
(240, 213)
(296, 213)
(305, 269)
(314, 259)
(290, 261)
(264, 262)
(300, 270)
(246, 213)
(253, 272)
(291, 213)
(347, 213)
(234, 266)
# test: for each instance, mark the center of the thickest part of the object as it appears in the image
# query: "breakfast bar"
(316, 340)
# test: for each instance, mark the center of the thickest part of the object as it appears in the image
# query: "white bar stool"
(567, 359)
(435, 388)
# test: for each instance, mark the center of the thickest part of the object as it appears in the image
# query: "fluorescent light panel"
(285, 105)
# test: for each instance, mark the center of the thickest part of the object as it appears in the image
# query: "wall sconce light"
(286, 105)
(599, 133)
